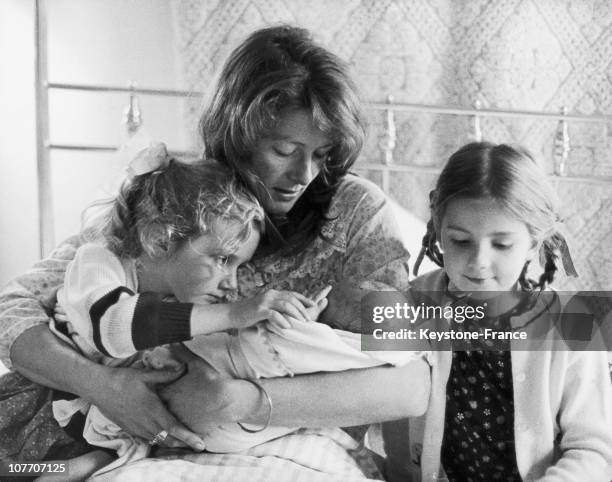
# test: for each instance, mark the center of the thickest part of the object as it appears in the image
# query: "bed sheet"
(307, 455)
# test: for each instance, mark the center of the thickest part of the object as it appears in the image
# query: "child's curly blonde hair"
(157, 211)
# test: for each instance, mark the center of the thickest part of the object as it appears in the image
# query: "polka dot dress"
(478, 443)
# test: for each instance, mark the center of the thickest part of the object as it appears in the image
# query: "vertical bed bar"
(43, 165)
(388, 145)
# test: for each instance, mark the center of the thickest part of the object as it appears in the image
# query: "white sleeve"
(585, 420)
(98, 300)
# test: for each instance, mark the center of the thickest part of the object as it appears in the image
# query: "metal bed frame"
(44, 144)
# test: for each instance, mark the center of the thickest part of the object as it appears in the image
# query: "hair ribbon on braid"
(564, 253)
(150, 159)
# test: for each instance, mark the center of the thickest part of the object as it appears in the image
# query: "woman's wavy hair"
(154, 213)
(275, 69)
(510, 176)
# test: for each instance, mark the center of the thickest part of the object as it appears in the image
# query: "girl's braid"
(550, 258)
(429, 247)
(550, 262)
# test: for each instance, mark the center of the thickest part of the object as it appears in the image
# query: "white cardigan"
(556, 392)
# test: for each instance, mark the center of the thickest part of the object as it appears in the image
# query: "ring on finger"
(159, 437)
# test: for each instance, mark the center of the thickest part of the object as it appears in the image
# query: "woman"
(285, 116)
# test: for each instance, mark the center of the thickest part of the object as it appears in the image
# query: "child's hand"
(279, 308)
(320, 303)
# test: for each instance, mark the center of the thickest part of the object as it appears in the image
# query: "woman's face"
(485, 248)
(288, 160)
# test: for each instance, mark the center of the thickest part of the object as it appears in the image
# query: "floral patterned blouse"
(360, 244)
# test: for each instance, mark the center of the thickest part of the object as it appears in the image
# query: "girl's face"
(288, 160)
(203, 270)
(484, 247)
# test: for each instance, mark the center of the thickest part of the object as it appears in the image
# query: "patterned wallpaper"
(514, 54)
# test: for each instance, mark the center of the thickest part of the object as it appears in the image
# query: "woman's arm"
(28, 300)
(353, 397)
(348, 398)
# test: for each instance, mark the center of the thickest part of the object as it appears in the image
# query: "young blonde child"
(496, 413)
(161, 269)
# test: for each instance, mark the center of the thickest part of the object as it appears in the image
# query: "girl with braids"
(543, 413)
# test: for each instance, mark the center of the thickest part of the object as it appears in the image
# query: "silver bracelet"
(262, 390)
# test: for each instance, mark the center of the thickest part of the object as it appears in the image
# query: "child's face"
(203, 270)
(484, 247)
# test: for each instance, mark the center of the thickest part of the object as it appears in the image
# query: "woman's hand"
(279, 308)
(128, 397)
(202, 397)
